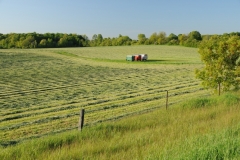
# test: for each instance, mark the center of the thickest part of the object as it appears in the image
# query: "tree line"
(57, 40)
(36, 40)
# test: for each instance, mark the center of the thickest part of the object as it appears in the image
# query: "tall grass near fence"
(202, 128)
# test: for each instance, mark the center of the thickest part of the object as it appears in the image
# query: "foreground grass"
(202, 128)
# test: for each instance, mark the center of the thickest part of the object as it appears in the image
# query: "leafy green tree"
(127, 40)
(235, 33)
(147, 42)
(182, 38)
(46, 43)
(141, 38)
(29, 42)
(172, 37)
(94, 37)
(85, 40)
(133, 42)
(120, 41)
(43, 43)
(1, 36)
(94, 40)
(123, 40)
(206, 37)
(105, 42)
(85, 37)
(3, 44)
(50, 42)
(193, 39)
(12, 40)
(195, 35)
(191, 43)
(220, 57)
(173, 42)
(114, 41)
(153, 38)
(63, 42)
(99, 39)
(162, 38)
(109, 41)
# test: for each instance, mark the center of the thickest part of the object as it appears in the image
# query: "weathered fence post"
(167, 101)
(81, 120)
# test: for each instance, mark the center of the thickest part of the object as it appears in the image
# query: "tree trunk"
(219, 89)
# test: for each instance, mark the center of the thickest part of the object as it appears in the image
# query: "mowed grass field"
(43, 90)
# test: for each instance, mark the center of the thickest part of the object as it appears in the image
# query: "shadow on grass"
(149, 61)
(158, 60)
(164, 61)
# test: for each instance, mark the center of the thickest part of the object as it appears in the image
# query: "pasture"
(43, 90)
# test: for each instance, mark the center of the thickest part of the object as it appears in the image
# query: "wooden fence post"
(81, 120)
(167, 101)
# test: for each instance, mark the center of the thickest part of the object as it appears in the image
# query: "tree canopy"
(36, 40)
(221, 58)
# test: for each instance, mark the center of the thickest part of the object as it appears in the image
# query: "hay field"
(43, 90)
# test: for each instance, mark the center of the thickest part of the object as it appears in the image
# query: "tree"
(50, 42)
(43, 43)
(99, 39)
(106, 42)
(193, 39)
(3, 44)
(220, 56)
(85, 40)
(141, 38)
(195, 35)
(94, 40)
(182, 38)
(206, 37)
(153, 38)
(63, 42)
(94, 37)
(172, 37)
(29, 42)
(162, 38)
(147, 42)
(123, 40)
(12, 39)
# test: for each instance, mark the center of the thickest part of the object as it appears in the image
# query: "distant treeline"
(56, 40)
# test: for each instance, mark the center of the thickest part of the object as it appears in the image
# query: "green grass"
(225, 99)
(43, 90)
(66, 53)
(156, 54)
(207, 132)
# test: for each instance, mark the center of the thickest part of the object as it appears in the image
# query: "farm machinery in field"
(137, 57)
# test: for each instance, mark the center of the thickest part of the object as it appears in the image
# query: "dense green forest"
(56, 40)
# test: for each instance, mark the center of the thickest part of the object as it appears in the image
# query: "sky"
(113, 17)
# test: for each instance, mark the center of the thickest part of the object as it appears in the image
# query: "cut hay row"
(53, 83)
(65, 121)
(94, 116)
(147, 92)
(95, 105)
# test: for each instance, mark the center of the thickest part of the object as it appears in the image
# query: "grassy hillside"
(201, 128)
(43, 90)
